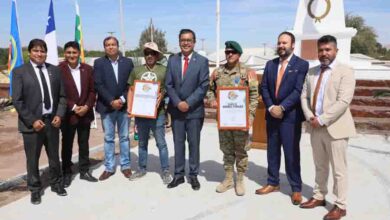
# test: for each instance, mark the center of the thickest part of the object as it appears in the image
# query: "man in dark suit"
(187, 82)
(111, 73)
(281, 89)
(39, 98)
(80, 98)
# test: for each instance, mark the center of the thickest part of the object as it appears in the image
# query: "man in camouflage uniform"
(233, 143)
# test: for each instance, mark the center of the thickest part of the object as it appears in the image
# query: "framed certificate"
(144, 99)
(233, 108)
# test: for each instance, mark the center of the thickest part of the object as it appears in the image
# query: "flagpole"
(218, 32)
(151, 30)
(123, 42)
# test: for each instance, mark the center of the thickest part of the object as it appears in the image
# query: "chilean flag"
(50, 37)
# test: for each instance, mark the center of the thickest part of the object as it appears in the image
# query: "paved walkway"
(148, 198)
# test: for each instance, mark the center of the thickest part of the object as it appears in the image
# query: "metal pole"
(151, 30)
(218, 32)
(123, 40)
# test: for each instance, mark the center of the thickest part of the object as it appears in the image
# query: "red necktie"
(185, 65)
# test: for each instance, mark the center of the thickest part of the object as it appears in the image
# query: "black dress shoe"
(59, 190)
(175, 182)
(36, 198)
(194, 183)
(88, 177)
(67, 180)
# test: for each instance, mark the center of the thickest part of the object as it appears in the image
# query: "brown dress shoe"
(105, 175)
(296, 198)
(312, 203)
(267, 189)
(335, 214)
(126, 173)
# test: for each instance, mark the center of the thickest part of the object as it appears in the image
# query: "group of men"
(293, 93)
(50, 98)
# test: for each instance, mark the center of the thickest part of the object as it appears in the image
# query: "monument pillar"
(316, 18)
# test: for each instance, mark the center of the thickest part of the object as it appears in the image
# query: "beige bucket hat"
(153, 46)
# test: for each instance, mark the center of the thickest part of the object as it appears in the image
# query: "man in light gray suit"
(187, 82)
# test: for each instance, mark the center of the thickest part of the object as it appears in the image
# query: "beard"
(325, 61)
(284, 53)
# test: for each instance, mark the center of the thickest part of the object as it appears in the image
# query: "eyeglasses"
(186, 40)
(147, 53)
(227, 52)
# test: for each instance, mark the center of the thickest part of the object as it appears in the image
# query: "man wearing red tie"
(187, 82)
(281, 89)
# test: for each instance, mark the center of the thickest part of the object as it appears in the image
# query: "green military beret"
(233, 45)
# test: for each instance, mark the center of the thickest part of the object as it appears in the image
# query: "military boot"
(240, 187)
(227, 183)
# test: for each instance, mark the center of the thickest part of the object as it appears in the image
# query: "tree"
(365, 41)
(158, 38)
(3, 56)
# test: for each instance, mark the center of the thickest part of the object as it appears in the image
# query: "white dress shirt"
(115, 66)
(46, 75)
(76, 77)
(320, 97)
(183, 61)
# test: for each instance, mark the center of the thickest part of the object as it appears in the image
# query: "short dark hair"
(110, 38)
(37, 43)
(327, 39)
(186, 31)
(291, 35)
(72, 44)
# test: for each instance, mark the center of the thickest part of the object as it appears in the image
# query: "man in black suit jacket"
(187, 82)
(39, 98)
(111, 73)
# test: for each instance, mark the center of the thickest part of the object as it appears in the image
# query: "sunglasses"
(227, 52)
(153, 53)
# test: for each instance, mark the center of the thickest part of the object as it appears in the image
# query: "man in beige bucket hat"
(151, 71)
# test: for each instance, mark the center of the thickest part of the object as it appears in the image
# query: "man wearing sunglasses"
(151, 71)
(233, 143)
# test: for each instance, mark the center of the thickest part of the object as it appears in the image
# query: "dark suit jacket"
(27, 97)
(191, 89)
(289, 91)
(87, 96)
(105, 82)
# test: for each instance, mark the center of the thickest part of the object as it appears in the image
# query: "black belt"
(46, 116)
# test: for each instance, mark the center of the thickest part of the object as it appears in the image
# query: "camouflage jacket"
(238, 76)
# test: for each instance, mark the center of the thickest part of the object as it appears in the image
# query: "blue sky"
(250, 22)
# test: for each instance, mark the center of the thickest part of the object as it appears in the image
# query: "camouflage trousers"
(232, 144)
